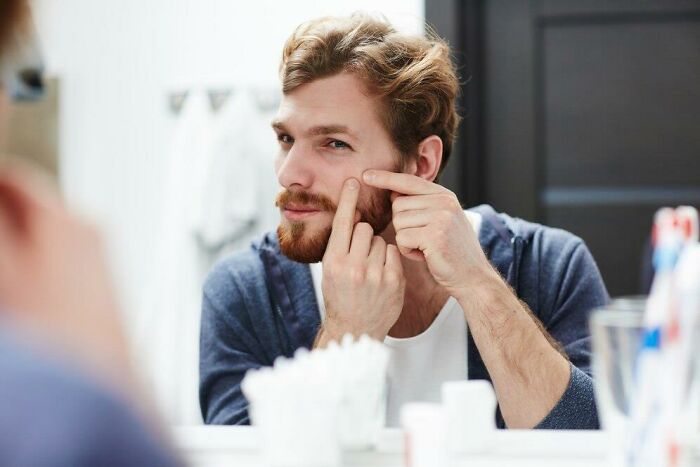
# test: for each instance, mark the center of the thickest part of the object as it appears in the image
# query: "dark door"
(586, 115)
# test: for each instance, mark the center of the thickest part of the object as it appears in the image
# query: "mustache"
(305, 198)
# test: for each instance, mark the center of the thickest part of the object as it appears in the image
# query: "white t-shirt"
(419, 365)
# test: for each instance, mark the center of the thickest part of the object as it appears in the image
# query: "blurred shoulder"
(51, 413)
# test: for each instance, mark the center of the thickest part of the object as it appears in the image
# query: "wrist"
(325, 336)
(480, 284)
(332, 330)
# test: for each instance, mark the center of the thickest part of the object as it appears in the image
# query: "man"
(68, 395)
(365, 127)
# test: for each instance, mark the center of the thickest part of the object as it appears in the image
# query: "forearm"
(529, 374)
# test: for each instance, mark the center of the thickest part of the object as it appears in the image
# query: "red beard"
(298, 245)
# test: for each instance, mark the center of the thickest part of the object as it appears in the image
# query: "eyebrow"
(319, 130)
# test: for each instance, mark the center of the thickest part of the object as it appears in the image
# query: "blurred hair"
(414, 76)
(13, 14)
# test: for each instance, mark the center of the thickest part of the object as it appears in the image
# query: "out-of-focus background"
(583, 115)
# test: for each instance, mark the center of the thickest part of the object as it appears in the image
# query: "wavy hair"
(413, 75)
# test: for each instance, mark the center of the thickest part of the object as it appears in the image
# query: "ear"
(15, 207)
(429, 158)
(25, 193)
(26, 197)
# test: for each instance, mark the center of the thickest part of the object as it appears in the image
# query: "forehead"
(338, 100)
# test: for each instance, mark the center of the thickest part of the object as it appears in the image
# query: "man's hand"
(363, 281)
(528, 373)
(430, 225)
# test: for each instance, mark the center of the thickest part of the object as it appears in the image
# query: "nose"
(295, 168)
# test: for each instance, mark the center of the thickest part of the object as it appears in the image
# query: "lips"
(297, 212)
(299, 208)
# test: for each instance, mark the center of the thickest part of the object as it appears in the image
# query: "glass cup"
(617, 331)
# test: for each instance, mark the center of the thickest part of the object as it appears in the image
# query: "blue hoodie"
(259, 305)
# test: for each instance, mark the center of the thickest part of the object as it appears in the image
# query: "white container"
(424, 426)
(470, 407)
(361, 374)
(297, 424)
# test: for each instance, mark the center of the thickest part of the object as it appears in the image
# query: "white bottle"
(425, 429)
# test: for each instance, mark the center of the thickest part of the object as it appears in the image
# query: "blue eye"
(336, 144)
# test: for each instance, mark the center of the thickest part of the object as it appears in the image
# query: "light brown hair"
(414, 76)
(13, 14)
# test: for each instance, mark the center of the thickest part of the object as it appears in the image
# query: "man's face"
(328, 131)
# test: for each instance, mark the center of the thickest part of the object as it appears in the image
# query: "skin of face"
(3, 115)
(328, 131)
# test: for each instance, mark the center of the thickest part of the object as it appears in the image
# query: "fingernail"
(353, 184)
(368, 176)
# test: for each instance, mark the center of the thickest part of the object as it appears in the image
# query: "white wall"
(117, 60)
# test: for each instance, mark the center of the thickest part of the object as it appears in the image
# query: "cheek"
(369, 198)
(332, 174)
(278, 165)
(377, 161)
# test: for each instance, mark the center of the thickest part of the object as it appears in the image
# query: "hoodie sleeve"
(223, 364)
(228, 345)
(570, 288)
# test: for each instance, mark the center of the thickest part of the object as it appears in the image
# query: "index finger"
(344, 220)
(403, 183)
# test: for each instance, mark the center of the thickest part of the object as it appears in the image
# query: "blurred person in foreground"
(68, 394)
(369, 243)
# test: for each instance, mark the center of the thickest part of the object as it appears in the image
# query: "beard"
(300, 244)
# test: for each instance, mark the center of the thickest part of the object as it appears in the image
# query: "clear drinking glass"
(616, 331)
